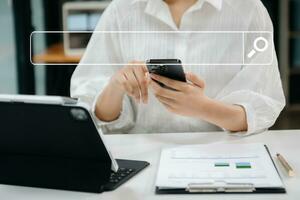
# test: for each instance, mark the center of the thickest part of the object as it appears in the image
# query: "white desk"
(147, 147)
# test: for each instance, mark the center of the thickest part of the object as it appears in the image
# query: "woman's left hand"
(187, 99)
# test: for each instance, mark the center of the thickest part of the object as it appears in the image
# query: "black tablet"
(53, 142)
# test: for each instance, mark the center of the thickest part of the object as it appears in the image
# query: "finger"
(160, 91)
(148, 78)
(133, 83)
(143, 83)
(177, 85)
(144, 68)
(195, 80)
(139, 64)
(167, 101)
(129, 90)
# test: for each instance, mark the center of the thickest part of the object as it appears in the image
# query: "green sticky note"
(243, 165)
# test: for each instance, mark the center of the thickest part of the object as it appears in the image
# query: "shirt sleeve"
(257, 88)
(94, 71)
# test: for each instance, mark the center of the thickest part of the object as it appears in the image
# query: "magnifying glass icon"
(264, 46)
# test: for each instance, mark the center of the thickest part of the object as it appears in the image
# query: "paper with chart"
(232, 163)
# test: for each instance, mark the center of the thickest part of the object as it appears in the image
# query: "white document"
(209, 164)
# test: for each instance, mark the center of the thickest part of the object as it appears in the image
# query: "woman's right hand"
(133, 80)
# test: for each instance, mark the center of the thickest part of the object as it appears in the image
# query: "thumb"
(195, 79)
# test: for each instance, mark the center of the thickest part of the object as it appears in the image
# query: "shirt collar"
(159, 9)
(215, 3)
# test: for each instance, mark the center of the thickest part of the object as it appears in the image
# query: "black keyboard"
(116, 177)
(127, 169)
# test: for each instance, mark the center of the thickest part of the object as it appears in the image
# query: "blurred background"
(18, 18)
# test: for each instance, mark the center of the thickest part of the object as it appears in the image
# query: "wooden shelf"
(295, 34)
(55, 54)
(295, 70)
(293, 107)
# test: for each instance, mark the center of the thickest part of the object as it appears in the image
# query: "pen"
(286, 165)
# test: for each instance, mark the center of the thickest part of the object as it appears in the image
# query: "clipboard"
(224, 187)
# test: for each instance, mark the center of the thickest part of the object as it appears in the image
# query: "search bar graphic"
(257, 48)
(193, 48)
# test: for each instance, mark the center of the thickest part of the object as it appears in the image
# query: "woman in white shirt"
(243, 98)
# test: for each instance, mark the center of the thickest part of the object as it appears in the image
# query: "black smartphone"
(170, 68)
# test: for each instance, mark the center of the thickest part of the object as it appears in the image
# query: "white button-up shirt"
(122, 36)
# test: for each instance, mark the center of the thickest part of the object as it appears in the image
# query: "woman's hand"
(186, 99)
(132, 80)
